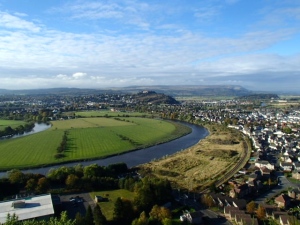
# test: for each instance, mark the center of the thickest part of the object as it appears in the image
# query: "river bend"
(141, 156)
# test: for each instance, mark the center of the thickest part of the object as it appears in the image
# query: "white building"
(27, 208)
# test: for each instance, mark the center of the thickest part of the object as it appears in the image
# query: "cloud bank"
(122, 43)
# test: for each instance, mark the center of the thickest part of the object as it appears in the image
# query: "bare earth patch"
(201, 164)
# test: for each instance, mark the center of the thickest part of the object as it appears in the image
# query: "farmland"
(87, 138)
(107, 113)
(11, 123)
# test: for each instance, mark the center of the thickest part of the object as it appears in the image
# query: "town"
(266, 188)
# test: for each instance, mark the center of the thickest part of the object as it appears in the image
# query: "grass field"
(88, 138)
(100, 113)
(107, 208)
(199, 165)
(11, 123)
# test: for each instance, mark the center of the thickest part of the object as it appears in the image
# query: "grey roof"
(34, 207)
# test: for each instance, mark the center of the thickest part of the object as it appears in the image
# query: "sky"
(117, 43)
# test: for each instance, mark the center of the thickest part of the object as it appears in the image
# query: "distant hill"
(192, 90)
(53, 91)
(154, 98)
(175, 91)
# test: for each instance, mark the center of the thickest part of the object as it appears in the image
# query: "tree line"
(150, 193)
(21, 129)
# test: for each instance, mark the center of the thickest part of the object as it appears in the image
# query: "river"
(38, 127)
(138, 157)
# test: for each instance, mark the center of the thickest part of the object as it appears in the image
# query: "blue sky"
(115, 43)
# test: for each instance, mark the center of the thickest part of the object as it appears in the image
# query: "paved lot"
(72, 208)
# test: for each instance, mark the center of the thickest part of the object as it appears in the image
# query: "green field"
(11, 123)
(103, 113)
(107, 208)
(87, 138)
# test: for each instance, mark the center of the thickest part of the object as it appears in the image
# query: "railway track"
(240, 164)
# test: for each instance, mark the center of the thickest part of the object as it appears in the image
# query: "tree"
(250, 207)
(60, 174)
(30, 185)
(158, 214)
(99, 218)
(287, 130)
(123, 211)
(11, 219)
(72, 181)
(261, 212)
(118, 210)
(16, 176)
(63, 220)
(89, 220)
(79, 219)
(91, 171)
(142, 220)
(42, 185)
(144, 198)
(207, 200)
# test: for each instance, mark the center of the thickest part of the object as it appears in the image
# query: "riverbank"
(138, 157)
(86, 139)
(197, 167)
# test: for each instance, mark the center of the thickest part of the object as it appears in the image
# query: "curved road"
(284, 185)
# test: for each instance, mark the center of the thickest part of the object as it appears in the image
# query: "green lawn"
(107, 208)
(88, 138)
(11, 123)
(88, 123)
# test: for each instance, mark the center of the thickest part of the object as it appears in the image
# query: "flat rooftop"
(27, 208)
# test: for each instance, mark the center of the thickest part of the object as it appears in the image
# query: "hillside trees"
(99, 218)
(123, 211)
(151, 191)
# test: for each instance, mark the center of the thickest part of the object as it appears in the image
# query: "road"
(284, 185)
(81, 207)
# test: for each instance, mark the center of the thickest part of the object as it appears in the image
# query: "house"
(296, 175)
(193, 218)
(36, 207)
(100, 199)
(296, 166)
(265, 172)
(263, 163)
(287, 220)
(286, 166)
(225, 201)
(246, 219)
(254, 176)
(294, 193)
(240, 191)
(228, 209)
(238, 216)
(286, 157)
(270, 210)
(282, 201)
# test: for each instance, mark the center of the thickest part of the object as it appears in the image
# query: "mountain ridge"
(172, 90)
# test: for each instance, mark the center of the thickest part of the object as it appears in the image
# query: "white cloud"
(124, 12)
(170, 53)
(79, 75)
(62, 76)
(14, 22)
(205, 14)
